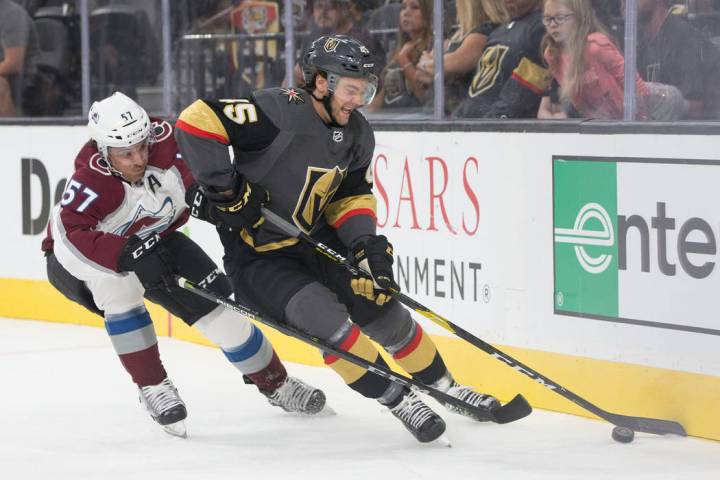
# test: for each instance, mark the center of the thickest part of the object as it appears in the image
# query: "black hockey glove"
(374, 256)
(243, 210)
(146, 259)
(199, 204)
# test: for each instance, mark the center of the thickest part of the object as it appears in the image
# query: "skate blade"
(443, 441)
(327, 411)
(176, 429)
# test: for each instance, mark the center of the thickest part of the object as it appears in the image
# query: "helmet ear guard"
(117, 121)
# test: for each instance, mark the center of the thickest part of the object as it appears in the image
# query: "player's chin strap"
(113, 171)
(116, 173)
(327, 103)
(104, 157)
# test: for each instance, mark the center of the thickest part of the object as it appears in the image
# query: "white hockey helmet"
(117, 121)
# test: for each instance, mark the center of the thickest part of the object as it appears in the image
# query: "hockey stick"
(638, 424)
(516, 409)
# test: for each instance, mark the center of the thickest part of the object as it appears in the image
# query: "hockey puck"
(623, 434)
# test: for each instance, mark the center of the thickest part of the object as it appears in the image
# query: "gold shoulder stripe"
(362, 203)
(199, 119)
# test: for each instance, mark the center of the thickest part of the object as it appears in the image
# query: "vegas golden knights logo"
(320, 186)
(331, 44)
(489, 68)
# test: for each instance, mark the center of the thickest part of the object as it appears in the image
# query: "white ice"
(69, 411)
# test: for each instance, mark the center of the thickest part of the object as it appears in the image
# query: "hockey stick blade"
(514, 410)
(640, 424)
(646, 425)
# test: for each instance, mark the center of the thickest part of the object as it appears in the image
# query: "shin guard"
(419, 356)
(271, 377)
(362, 381)
(245, 346)
(134, 340)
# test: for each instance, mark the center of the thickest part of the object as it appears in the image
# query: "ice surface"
(69, 411)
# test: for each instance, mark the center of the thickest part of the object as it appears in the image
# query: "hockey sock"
(362, 381)
(271, 377)
(245, 346)
(133, 336)
(419, 356)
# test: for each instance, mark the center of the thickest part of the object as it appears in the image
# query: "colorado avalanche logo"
(145, 222)
(99, 164)
(161, 130)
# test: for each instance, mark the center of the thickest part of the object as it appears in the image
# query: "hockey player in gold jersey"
(305, 155)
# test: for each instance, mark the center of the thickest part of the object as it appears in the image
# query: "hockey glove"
(374, 256)
(243, 210)
(199, 204)
(145, 258)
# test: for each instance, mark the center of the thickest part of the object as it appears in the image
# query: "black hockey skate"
(420, 420)
(467, 394)
(165, 406)
(296, 396)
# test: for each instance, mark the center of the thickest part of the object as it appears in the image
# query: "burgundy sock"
(271, 377)
(145, 366)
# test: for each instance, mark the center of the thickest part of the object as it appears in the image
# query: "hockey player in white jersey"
(113, 240)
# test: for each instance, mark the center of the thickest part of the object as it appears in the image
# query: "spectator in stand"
(385, 17)
(362, 9)
(18, 50)
(510, 78)
(700, 6)
(585, 64)
(589, 71)
(404, 85)
(670, 51)
(199, 16)
(476, 19)
(336, 17)
(607, 12)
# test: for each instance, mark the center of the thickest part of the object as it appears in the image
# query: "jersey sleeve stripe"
(531, 75)
(186, 127)
(340, 211)
(362, 211)
(200, 119)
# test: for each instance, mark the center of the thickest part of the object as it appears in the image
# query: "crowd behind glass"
(501, 58)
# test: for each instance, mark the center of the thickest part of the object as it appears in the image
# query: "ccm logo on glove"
(374, 257)
(243, 210)
(145, 246)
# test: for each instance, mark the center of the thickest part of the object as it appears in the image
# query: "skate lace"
(467, 394)
(161, 397)
(292, 395)
(412, 411)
